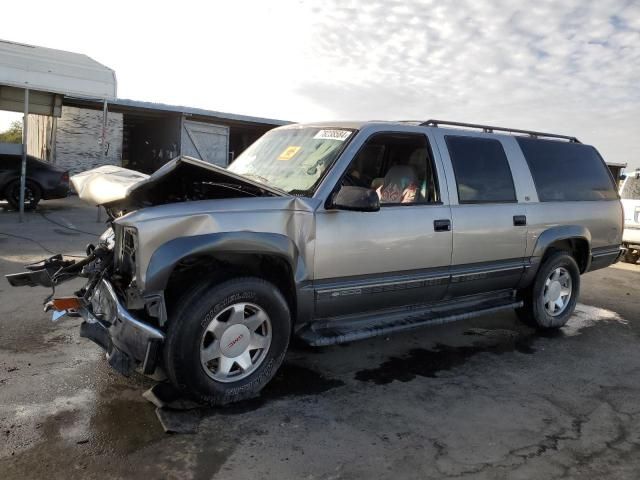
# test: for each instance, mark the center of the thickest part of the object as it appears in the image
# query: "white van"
(630, 195)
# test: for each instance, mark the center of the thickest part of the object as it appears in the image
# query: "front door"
(398, 256)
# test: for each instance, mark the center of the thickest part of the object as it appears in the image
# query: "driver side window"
(398, 166)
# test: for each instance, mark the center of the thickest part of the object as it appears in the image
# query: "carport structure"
(37, 80)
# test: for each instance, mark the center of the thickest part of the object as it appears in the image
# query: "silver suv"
(333, 233)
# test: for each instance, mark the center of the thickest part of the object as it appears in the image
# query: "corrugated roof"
(136, 104)
(55, 71)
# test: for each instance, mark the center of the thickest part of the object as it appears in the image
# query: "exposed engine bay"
(182, 179)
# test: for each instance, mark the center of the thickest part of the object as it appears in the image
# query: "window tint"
(564, 171)
(398, 166)
(481, 169)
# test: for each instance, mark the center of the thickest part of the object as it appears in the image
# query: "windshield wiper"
(264, 181)
(256, 177)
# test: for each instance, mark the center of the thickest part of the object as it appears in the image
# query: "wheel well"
(217, 268)
(577, 247)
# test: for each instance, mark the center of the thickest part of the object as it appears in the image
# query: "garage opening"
(149, 141)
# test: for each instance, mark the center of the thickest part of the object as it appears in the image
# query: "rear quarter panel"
(603, 220)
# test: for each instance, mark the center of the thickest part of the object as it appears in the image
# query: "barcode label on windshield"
(339, 135)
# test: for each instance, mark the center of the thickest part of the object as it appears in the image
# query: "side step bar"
(334, 331)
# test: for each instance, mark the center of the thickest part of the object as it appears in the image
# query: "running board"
(361, 326)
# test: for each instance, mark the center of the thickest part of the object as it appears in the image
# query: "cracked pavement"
(486, 398)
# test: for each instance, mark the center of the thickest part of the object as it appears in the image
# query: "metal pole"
(103, 142)
(23, 169)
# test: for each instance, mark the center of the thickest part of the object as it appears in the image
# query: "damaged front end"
(118, 314)
(129, 342)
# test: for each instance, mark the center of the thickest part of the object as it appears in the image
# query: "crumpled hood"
(180, 180)
(105, 184)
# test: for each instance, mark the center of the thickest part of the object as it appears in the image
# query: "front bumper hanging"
(128, 341)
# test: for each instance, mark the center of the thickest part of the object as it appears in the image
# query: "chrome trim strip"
(606, 253)
(418, 282)
(458, 274)
(489, 271)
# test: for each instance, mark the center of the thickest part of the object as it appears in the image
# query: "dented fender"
(169, 254)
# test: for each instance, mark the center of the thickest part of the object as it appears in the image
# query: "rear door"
(489, 222)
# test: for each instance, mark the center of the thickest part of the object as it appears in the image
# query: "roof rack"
(490, 129)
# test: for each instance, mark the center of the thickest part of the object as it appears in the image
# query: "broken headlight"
(126, 244)
(102, 304)
(108, 238)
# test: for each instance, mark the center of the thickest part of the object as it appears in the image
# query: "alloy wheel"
(557, 291)
(235, 342)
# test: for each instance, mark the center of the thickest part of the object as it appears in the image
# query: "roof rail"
(490, 129)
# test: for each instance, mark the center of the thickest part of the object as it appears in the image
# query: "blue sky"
(563, 66)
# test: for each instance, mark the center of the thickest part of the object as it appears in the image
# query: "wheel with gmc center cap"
(227, 340)
(551, 299)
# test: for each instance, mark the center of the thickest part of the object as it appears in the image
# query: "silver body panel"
(345, 274)
(395, 250)
(289, 216)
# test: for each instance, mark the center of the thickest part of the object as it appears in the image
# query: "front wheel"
(552, 298)
(227, 340)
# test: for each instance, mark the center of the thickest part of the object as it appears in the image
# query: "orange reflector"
(66, 303)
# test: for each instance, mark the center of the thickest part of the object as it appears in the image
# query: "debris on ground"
(175, 413)
(179, 421)
(165, 395)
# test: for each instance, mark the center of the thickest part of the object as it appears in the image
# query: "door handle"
(443, 225)
(519, 220)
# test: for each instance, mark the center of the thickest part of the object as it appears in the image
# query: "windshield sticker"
(339, 135)
(288, 153)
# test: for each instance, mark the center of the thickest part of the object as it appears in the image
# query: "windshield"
(631, 188)
(292, 159)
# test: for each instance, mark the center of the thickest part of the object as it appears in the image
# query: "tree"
(13, 134)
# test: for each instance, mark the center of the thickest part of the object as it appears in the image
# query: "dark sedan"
(44, 181)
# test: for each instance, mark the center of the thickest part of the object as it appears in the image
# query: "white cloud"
(565, 66)
(571, 67)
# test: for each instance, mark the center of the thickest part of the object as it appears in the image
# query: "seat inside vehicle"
(398, 166)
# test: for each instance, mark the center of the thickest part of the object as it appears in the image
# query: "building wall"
(41, 137)
(74, 144)
(78, 138)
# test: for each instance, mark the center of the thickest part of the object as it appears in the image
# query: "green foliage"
(13, 134)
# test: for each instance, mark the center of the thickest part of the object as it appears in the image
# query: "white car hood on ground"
(105, 184)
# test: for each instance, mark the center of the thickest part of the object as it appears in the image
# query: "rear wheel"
(32, 194)
(227, 340)
(632, 256)
(552, 298)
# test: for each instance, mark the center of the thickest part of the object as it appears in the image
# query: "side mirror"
(358, 199)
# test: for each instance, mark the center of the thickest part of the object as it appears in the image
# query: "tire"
(632, 256)
(226, 313)
(32, 194)
(536, 312)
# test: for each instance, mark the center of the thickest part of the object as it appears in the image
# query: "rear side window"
(481, 169)
(566, 172)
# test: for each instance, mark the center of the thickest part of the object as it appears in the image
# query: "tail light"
(65, 177)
